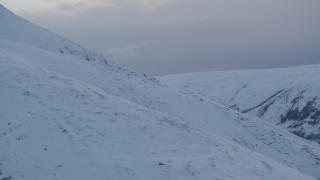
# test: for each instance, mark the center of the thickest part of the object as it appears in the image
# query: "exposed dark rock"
(264, 109)
(309, 114)
(313, 137)
(7, 178)
(87, 57)
(299, 133)
(309, 110)
(296, 125)
(235, 107)
(315, 118)
(264, 102)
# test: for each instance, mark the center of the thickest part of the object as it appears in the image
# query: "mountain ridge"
(287, 96)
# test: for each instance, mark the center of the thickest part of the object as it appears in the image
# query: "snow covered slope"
(55, 127)
(64, 116)
(288, 97)
(16, 29)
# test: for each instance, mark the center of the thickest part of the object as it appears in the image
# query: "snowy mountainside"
(65, 117)
(252, 133)
(288, 97)
(56, 127)
(17, 29)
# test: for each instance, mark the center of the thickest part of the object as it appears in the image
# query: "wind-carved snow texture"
(63, 116)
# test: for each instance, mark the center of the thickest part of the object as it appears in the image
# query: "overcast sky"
(173, 36)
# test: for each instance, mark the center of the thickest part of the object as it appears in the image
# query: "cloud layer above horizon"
(174, 36)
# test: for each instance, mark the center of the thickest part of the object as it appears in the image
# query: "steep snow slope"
(16, 29)
(55, 127)
(200, 112)
(92, 110)
(288, 97)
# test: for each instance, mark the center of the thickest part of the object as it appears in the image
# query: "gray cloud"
(127, 52)
(73, 7)
(188, 35)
